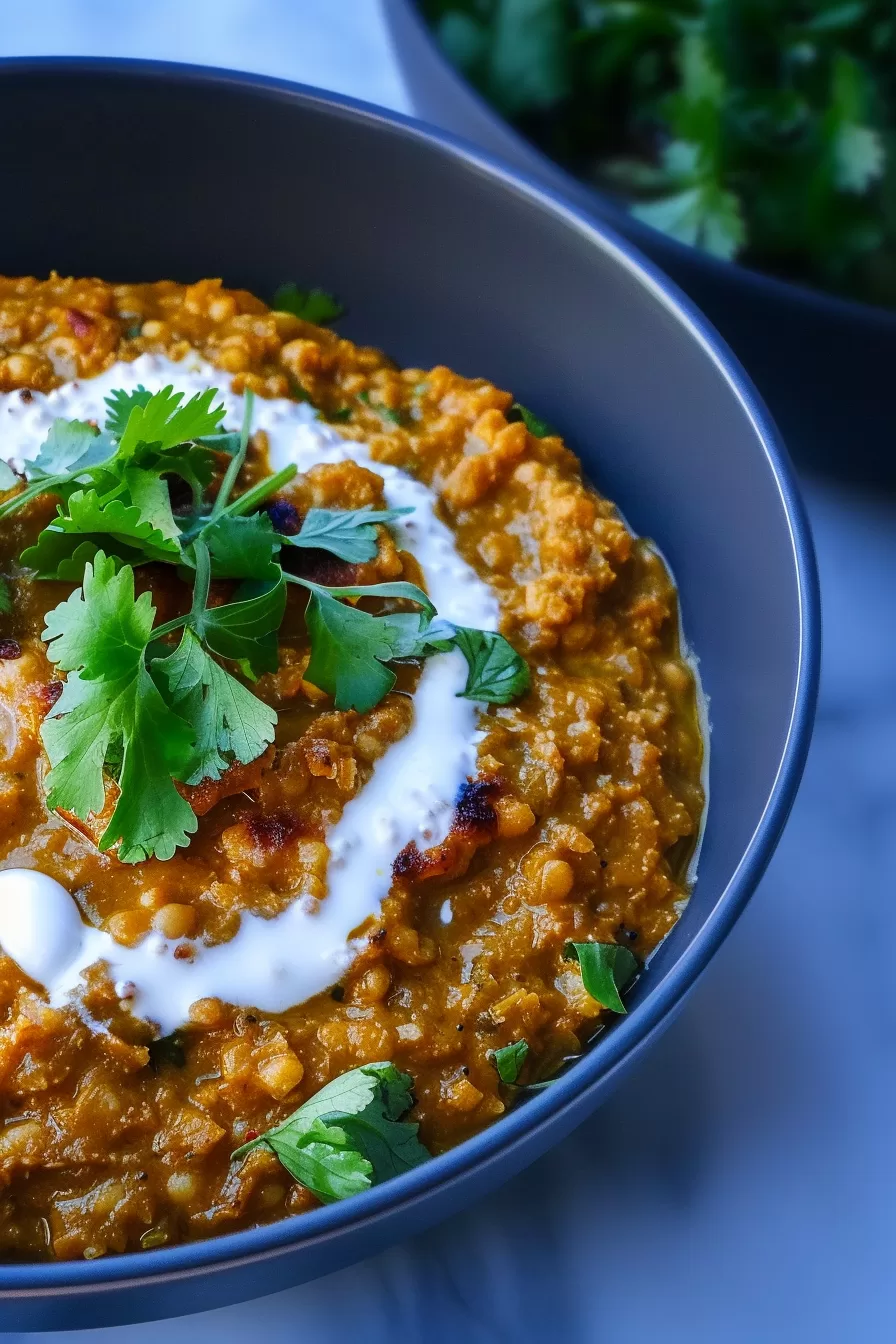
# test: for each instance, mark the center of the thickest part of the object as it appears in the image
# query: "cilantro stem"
(170, 627)
(252, 498)
(45, 486)
(408, 591)
(203, 577)
(239, 457)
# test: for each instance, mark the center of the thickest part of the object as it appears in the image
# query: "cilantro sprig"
(140, 716)
(349, 1136)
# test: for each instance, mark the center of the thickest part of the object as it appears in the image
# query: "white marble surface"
(740, 1187)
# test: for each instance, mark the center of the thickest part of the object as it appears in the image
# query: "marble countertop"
(740, 1186)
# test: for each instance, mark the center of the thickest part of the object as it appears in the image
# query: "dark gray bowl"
(139, 170)
(824, 365)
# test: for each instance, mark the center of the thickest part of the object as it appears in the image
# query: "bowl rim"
(529, 158)
(612, 1049)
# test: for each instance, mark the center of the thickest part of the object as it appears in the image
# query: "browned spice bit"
(183, 952)
(26, 394)
(473, 811)
(337, 993)
(409, 863)
(9, 649)
(81, 323)
(271, 830)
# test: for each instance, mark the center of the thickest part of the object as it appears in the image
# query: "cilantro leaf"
(242, 548)
(311, 305)
(349, 533)
(349, 650)
(230, 723)
(497, 673)
(606, 969)
(509, 1060)
(540, 428)
(119, 405)
(100, 629)
(112, 524)
(111, 712)
(165, 423)
(71, 445)
(246, 630)
(5, 597)
(151, 819)
(350, 1135)
(8, 478)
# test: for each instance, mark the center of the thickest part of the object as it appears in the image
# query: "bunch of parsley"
(147, 714)
(763, 130)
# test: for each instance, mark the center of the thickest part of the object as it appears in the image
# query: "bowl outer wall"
(149, 169)
(823, 364)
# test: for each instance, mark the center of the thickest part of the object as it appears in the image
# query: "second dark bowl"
(823, 364)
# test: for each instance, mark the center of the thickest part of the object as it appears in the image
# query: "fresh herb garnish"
(497, 672)
(311, 305)
(540, 428)
(138, 716)
(746, 128)
(349, 1136)
(112, 719)
(606, 970)
(509, 1060)
(350, 534)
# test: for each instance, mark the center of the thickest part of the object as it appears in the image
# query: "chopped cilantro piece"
(349, 533)
(498, 674)
(509, 1060)
(540, 428)
(5, 597)
(349, 1136)
(606, 970)
(311, 305)
(8, 478)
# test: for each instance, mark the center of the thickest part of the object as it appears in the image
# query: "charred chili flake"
(285, 517)
(9, 649)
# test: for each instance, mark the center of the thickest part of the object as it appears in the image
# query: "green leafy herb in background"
(763, 130)
(312, 305)
(349, 1136)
